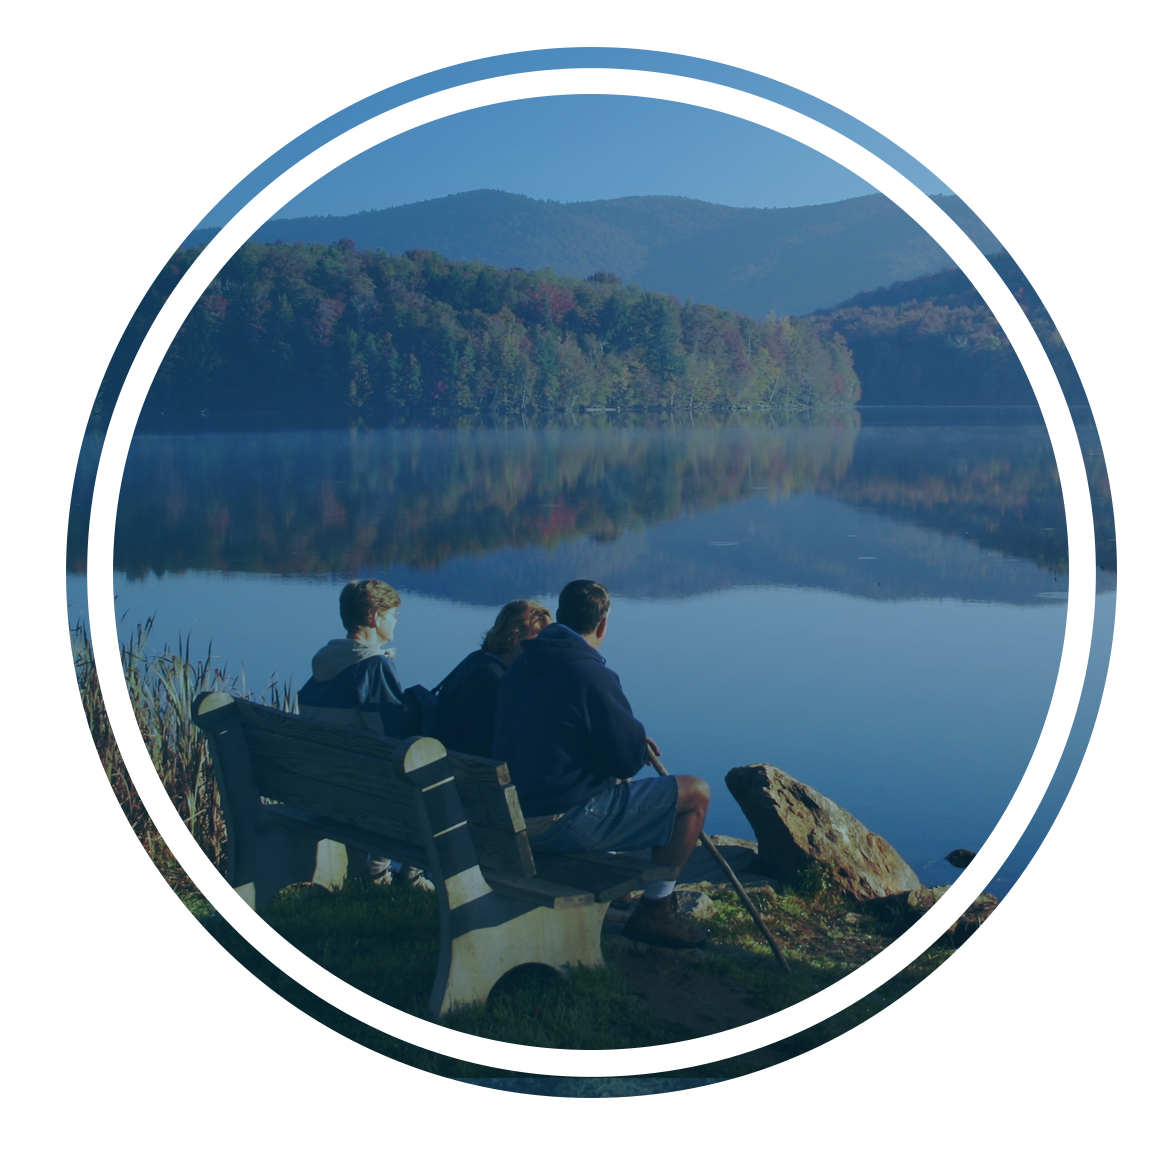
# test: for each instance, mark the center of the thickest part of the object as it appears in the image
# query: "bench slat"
(348, 739)
(474, 774)
(638, 866)
(605, 880)
(363, 789)
(384, 817)
(487, 792)
(538, 890)
(503, 850)
(347, 800)
(343, 833)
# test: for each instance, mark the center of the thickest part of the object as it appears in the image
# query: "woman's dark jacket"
(467, 700)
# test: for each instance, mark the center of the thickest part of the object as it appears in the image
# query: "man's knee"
(692, 793)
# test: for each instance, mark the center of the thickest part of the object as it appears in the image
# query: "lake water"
(874, 605)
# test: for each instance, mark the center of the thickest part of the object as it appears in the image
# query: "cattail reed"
(162, 686)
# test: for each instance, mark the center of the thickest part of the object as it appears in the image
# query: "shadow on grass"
(382, 939)
(380, 943)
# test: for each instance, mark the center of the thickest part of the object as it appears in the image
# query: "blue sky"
(181, 139)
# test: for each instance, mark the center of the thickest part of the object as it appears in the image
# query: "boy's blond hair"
(363, 600)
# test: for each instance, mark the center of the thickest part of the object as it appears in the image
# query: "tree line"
(932, 340)
(311, 327)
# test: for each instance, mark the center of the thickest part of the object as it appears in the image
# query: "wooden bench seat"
(304, 801)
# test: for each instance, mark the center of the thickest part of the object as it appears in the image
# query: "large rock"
(797, 827)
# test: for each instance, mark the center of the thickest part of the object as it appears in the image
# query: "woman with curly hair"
(468, 697)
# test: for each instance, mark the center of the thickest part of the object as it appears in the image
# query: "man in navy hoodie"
(568, 736)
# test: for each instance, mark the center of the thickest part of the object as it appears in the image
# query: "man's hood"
(554, 646)
(338, 655)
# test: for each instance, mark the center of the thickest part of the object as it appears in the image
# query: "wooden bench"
(301, 799)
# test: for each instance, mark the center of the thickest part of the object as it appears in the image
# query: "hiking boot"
(377, 869)
(657, 923)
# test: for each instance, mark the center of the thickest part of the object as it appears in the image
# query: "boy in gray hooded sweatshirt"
(354, 683)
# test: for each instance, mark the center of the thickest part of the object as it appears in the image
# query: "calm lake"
(876, 605)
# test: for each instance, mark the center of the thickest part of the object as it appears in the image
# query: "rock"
(696, 905)
(923, 912)
(973, 917)
(797, 827)
(734, 842)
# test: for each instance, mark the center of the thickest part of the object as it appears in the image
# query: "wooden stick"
(711, 848)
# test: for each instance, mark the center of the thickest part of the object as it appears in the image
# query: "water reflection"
(877, 609)
(666, 511)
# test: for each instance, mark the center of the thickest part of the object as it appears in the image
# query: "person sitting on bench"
(571, 744)
(468, 697)
(354, 684)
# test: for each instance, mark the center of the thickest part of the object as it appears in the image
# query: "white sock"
(658, 890)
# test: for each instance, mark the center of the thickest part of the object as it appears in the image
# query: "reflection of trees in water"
(999, 487)
(330, 502)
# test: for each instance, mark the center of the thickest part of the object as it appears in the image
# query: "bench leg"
(261, 863)
(331, 865)
(557, 938)
(484, 933)
(263, 855)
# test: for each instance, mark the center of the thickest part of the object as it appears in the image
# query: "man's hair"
(582, 605)
(519, 620)
(363, 600)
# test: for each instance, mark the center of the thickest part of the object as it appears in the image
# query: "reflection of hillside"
(327, 502)
(996, 486)
(805, 540)
(433, 504)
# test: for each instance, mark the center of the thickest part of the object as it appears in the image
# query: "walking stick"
(711, 848)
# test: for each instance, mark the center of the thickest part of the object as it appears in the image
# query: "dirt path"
(680, 988)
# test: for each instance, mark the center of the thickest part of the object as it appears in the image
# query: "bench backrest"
(350, 776)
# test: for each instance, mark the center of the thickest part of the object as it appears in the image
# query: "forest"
(312, 327)
(932, 340)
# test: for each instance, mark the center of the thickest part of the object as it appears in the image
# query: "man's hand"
(653, 747)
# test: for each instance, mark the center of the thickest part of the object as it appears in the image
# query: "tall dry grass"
(162, 686)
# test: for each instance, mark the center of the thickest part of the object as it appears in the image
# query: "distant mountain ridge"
(753, 260)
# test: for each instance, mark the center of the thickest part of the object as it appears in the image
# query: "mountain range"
(756, 261)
